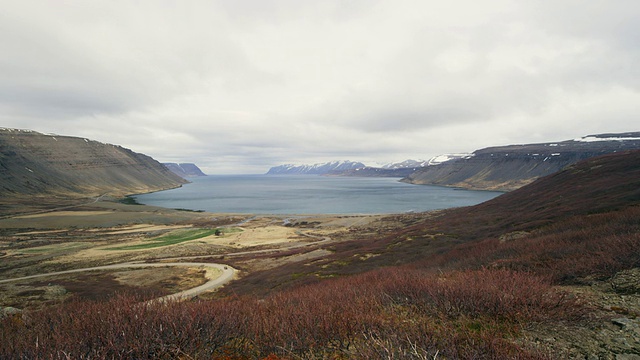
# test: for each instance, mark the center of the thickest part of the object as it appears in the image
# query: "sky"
(238, 86)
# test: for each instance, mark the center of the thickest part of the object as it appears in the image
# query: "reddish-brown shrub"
(467, 314)
(583, 246)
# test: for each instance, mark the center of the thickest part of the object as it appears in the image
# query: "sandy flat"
(254, 237)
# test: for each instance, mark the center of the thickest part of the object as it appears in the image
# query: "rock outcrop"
(35, 164)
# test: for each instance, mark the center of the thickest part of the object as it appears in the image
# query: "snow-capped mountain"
(422, 163)
(315, 169)
(437, 160)
(405, 164)
(610, 137)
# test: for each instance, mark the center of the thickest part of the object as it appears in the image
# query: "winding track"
(225, 277)
(227, 271)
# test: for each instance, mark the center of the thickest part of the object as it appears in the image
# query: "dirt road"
(213, 283)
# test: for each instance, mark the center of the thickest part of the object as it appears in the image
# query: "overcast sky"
(239, 86)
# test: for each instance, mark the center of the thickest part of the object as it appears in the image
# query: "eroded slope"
(32, 163)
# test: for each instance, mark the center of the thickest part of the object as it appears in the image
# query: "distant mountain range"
(34, 164)
(502, 168)
(398, 169)
(315, 169)
(352, 168)
(185, 170)
(422, 163)
(404, 164)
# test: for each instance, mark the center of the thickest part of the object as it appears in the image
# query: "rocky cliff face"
(32, 163)
(507, 168)
(185, 170)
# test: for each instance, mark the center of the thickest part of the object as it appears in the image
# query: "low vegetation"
(390, 313)
(471, 302)
(463, 284)
(583, 247)
(129, 200)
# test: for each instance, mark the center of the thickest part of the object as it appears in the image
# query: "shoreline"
(292, 195)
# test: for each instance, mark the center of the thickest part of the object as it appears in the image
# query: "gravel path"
(213, 283)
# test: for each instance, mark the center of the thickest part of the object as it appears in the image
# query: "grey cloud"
(615, 22)
(249, 84)
(434, 117)
(60, 62)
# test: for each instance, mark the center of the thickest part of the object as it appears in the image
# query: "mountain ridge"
(398, 169)
(506, 168)
(37, 164)
(359, 169)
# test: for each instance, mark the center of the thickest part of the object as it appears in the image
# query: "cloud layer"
(239, 86)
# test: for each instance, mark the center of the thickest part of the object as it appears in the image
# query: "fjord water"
(301, 194)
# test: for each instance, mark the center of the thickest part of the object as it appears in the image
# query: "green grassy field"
(176, 237)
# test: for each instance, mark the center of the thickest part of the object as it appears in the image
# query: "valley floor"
(106, 232)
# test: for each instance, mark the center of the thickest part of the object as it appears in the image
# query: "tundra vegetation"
(517, 277)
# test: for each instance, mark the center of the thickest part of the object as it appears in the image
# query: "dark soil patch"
(96, 286)
(35, 292)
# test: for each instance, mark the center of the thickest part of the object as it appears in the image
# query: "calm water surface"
(299, 194)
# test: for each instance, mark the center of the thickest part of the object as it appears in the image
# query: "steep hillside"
(605, 183)
(32, 163)
(509, 167)
(185, 170)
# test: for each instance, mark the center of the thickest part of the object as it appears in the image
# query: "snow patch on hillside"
(437, 160)
(595, 138)
(315, 169)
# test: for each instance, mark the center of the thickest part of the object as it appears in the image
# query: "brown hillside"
(511, 167)
(595, 185)
(33, 164)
